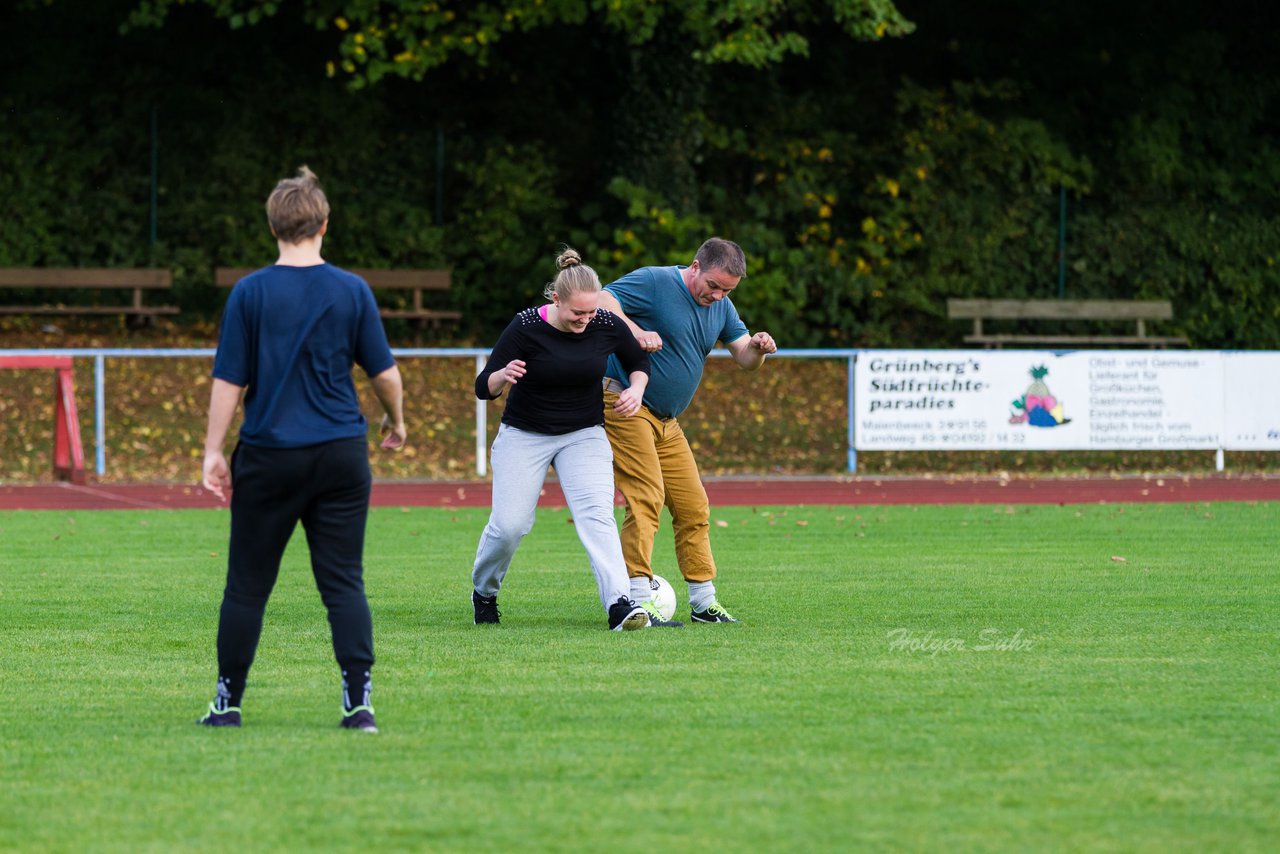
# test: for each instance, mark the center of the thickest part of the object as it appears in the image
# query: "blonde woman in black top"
(550, 361)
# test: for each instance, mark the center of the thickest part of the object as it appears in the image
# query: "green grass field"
(1099, 677)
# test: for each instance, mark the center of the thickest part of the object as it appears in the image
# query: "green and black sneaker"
(230, 716)
(361, 718)
(715, 613)
(655, 617)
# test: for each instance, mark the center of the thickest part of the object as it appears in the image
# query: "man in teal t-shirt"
(677, 314)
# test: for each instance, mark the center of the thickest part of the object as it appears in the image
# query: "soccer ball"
(664, 596)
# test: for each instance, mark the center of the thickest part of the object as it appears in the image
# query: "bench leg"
(139, 320)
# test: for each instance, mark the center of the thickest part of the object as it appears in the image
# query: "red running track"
(722, 491)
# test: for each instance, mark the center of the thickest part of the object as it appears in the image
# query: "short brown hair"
(297, 207)
(720, 254)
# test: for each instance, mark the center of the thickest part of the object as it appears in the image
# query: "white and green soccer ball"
(664, 596)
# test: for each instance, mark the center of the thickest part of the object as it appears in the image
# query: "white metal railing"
(480, 355)
(1192, 380)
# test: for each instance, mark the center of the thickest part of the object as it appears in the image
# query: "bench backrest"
(85, 277)
(427, 280)
(1057, 309)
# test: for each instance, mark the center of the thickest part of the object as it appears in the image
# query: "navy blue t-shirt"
(290, 336)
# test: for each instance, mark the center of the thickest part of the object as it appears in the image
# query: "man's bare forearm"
(223, 401)
(389, 388)
(610, 303)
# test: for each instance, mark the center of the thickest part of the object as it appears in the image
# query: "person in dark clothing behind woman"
(290, 335)
(552, 359)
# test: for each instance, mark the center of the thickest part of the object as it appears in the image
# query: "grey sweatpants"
(584, 463)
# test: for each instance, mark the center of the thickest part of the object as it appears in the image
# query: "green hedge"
(867, 181)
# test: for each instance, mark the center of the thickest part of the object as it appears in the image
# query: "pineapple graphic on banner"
(1038, 407)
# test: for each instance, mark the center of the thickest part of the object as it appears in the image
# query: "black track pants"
(326, 488)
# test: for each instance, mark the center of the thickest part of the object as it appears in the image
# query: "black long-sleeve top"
(561, 390)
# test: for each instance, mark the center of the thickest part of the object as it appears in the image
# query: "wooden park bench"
(416, 282)
(1139, 311)
(135, 280)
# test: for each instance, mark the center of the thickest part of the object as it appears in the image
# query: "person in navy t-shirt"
(290, 335)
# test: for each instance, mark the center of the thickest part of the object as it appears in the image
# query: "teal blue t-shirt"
(655, 298)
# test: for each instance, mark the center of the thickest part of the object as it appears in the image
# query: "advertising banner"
(961, 400)
(1252, 406)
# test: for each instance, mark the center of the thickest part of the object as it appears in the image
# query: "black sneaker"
(626, 616)
(229, 716)
(361, 718)
(715, 613)
(486, 608)
(655, 618)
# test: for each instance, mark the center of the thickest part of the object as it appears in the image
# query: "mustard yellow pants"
(653, 467)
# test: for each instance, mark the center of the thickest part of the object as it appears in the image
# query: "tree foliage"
(871, 170)
(409, 38)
